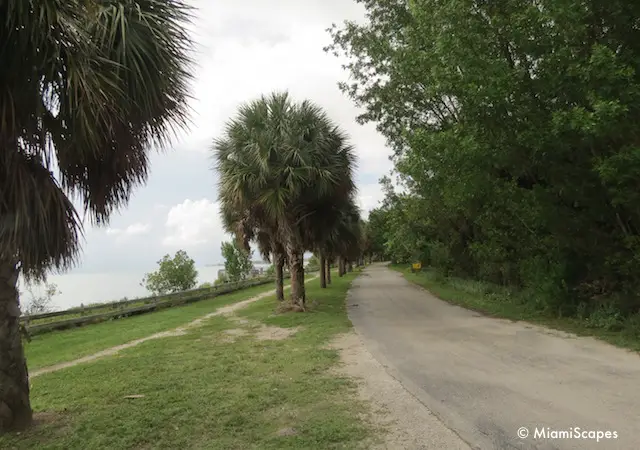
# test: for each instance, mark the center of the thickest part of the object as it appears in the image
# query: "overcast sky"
(244, 48)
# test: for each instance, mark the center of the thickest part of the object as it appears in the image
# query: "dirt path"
(224, 311)
(493, 381)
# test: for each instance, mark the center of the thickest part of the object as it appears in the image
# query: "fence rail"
(150, 299)
(147, 304)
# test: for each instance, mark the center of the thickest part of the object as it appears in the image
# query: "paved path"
(486, 378)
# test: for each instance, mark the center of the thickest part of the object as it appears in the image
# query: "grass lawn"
(65, 345)
(203, 391)
(499, 302)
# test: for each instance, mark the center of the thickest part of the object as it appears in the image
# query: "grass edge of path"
(200, 390)
(473, 295)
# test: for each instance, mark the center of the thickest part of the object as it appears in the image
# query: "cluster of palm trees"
(286, 182)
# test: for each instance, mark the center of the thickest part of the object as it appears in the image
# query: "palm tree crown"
(87, 88)
(278, 162)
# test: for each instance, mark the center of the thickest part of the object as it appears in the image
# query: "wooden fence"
(116, 310)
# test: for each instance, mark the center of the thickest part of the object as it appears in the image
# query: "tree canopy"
(283, 166)
(237, 261)
(515, 138)
(173, 275)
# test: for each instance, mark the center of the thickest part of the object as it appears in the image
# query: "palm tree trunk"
(328, 269)
(279, 263)
(296, 269)
(15, 408)
(323, 271)
(340, 266)
(349, 266)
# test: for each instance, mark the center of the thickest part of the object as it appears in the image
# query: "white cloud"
(193, 223)
(248, 48)
(132, 230)
(370, 197)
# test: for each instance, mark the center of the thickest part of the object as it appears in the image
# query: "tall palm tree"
(86, 88)
(246, 228)
(342, 236)
(275, 159)
(326, 214)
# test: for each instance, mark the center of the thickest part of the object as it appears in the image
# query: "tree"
(511, 127)
(39, 303)
(246, 225)
(88, 88)
(237, 261)
(173, 275)
(276, 160)
(339, 236)
(313, 263)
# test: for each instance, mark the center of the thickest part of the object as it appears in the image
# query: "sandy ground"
(224, 311)
(492, 381)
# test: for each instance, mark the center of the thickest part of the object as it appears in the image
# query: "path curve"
(225, 310)
(486, 378)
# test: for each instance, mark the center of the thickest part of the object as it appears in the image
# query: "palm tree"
(275, 160)
(247, 228)
(88, 87)
(343, 237)
(322, 224)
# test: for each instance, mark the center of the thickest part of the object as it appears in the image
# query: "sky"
(243, 48)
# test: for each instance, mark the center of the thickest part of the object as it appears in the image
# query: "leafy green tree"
(270, 271)
(88, 88)
(277, 160)
(512, 129)
(313, 263)
(173, 275)
(237, 261)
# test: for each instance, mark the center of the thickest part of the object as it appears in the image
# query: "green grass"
(496, 301)
(201, 392)
(65, 345)
(119, 305)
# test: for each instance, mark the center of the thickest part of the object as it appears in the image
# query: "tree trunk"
(15, 408)
(296, 269)
(340, 266)
(349, 266)
(323, 271)
(328, 269)
(279, 263)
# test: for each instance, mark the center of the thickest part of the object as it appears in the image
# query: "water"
(85, 288)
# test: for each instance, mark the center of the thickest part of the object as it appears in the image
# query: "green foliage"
(515, 144)
(112, 74)
(285, 179)
(313, 263)
(237, 261)
(270, 271)
(173, 275)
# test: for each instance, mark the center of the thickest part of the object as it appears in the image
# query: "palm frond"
(39, 226)
(288, 164)
(89, 87)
